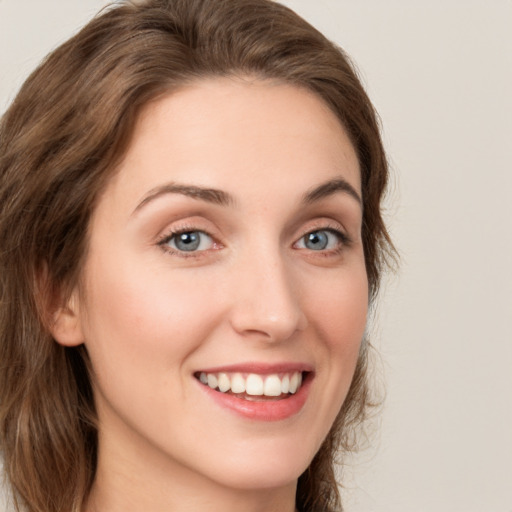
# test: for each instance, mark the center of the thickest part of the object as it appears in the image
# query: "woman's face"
(225, 252)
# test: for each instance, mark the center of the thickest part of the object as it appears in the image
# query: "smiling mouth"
(253, 386)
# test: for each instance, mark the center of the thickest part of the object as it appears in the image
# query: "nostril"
(271, 327)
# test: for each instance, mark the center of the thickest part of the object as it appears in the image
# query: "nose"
(265, 299)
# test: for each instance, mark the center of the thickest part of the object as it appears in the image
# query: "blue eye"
(189, 241)
(321, 240)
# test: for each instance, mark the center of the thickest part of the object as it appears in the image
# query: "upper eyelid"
(183, 225)
(328, 224)
(194, 225)
(170, 234)
(345, 239)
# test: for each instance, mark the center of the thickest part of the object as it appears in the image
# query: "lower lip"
(264, 410)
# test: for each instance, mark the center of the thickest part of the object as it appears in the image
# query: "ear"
(66, 326)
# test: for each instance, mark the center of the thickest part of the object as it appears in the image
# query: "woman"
(191, 237)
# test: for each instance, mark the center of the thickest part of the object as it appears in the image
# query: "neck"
(131, 478)
(121, 493)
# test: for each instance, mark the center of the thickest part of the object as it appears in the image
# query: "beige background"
(440, 74)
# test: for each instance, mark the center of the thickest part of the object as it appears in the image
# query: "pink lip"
(264, 410)
(260, 368)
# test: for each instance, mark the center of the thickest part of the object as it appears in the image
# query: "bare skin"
(230, 237)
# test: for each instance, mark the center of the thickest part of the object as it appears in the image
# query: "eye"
(188, 241)
(321, 240)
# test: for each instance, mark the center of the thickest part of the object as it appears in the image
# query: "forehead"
(232, 133)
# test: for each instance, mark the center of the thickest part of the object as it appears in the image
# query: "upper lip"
(260, 368)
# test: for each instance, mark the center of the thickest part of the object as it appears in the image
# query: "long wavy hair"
(59, 143)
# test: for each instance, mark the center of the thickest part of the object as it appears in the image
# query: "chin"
(264, 477)
(263, 469)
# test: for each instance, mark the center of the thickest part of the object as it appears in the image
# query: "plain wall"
(440, 75)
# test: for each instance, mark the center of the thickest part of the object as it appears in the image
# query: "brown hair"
(59, 141)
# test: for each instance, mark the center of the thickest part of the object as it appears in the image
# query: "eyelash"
(344, 241)
(169, 236)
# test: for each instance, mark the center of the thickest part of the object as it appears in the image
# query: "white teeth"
(212, 380)
(224, 382)
(253, 384)
(285, 384)
(237, 384)
(294, 383)
(272, 386)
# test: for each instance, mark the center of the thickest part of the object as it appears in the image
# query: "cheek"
(141, 319)
(338, 313)
(340, 309)
(337, 306)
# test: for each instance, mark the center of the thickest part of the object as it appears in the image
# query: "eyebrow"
(222, 198)
(210, 195)
(329, 188)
